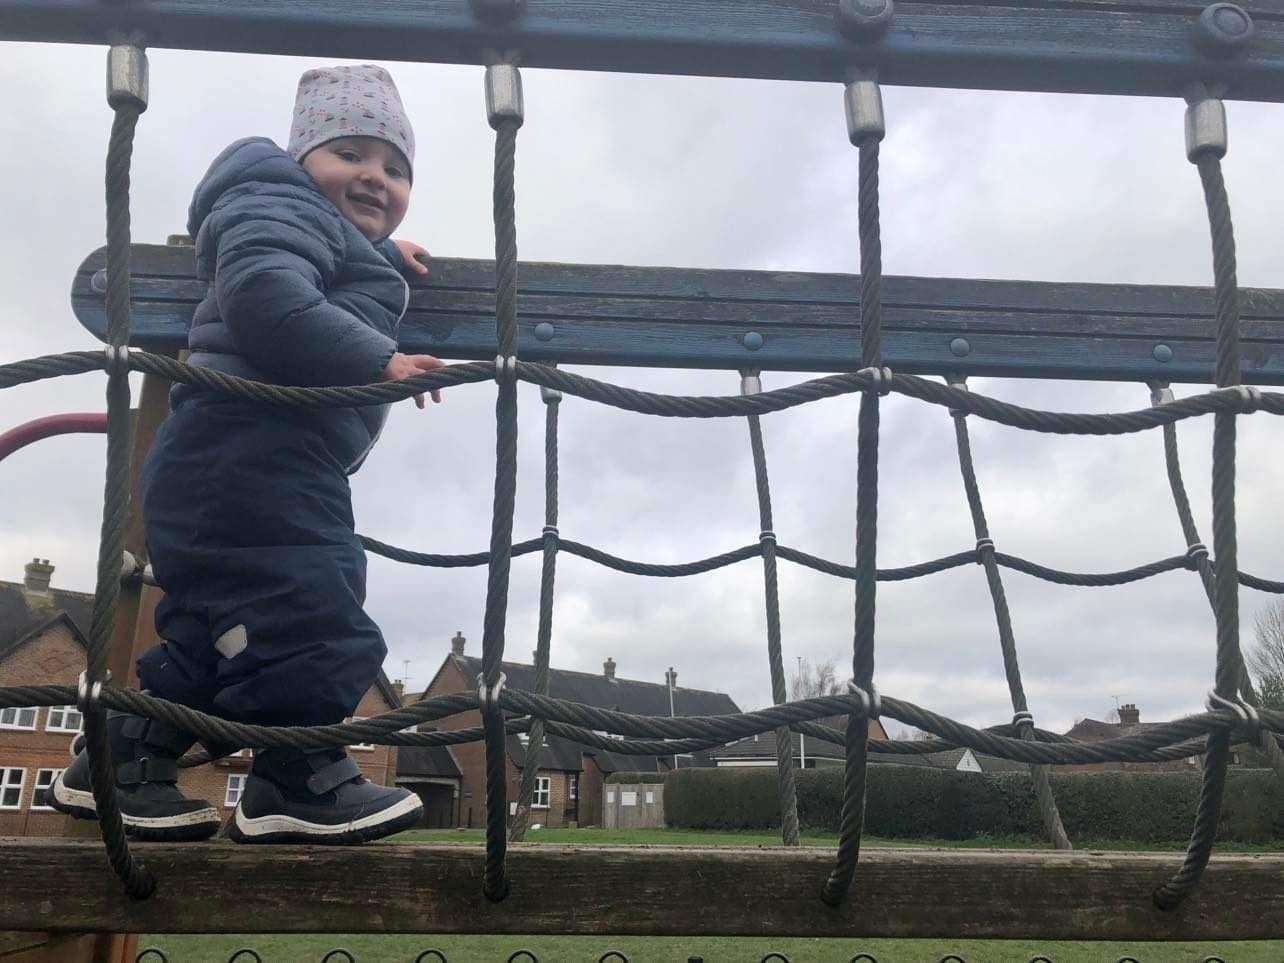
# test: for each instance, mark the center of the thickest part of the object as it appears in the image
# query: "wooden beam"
(677, 317)
(220, 886)
(1092, 46)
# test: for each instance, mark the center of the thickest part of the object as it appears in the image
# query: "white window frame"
(360, 746)
(36, 806)
(543, 789)
(15, 713)
(62, 713)
(7, 783)
(573, 787)
(235, 789)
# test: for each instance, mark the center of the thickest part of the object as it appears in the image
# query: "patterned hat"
(357, 101)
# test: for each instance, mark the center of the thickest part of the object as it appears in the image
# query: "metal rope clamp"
(767, 535)
(1022, 720)
(880, 379)
(983, 545)
(552, 530)
(863, 104)
(127, 76)
(1250, 399)
(959, 383)
(88, 696)
(550, 396)
(504, 103)
(871, 701)
(117, 358)
(506, 368)
(1196, 551)
(488, 698)
(1160, 393)
(750, 381)
(1248, 717)
(1205, 124)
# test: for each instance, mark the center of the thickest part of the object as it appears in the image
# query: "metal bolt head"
(498, 11)
(864, 19)
(960, 348)
(1223, 29)
(544, 331)
(1162, 353)
(752, 340)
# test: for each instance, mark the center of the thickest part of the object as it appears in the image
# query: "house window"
(573, 787)
(64, 719)
(11, 781)
(542, 791)
(235, 786)
(362, 746)
(21, 718)
(44, 779)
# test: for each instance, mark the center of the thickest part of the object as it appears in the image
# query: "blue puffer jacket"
(298, 296)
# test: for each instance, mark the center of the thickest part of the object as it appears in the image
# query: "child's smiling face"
(367, 179)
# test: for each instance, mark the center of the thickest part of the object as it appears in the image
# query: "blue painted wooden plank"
(1098, 46)
(608, 314)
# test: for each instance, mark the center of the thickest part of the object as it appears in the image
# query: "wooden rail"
(1089, 46)
(604, 314)
(219, 886)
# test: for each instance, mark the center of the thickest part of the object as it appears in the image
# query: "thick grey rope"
(1007, 640)
(535, 743)
(1230, 667)
(786, 787)
(139, 882)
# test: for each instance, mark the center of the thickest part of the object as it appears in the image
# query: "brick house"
(571, 775)
(42, 642)
(1094, 730)
(760, 749)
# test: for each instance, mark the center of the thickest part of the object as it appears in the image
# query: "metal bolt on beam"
(1162, 353)
(1223, 29)
(864, 20)
(960, 348)
(752, 340)
(127, 76)
(544, 331)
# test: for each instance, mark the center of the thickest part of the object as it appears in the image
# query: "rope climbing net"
(1233, 711)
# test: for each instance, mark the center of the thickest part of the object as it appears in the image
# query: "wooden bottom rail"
(65, 886)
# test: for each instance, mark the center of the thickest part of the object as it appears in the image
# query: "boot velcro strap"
(147, 769)
(333, 776)
(157, 734)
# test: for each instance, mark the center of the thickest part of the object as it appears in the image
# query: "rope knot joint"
(1022, 720)
(89, 695)
(488, 696)
(983, 545)
(117, 358)
(506, 368)
(1250, 399)
(880, 379)
(1195, 552)
(1248, 717)
(871, 701)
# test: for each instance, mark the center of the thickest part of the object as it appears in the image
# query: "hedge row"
(636, 777)
(912, 801)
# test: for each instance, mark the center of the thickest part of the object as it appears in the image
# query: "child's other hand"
(414, 255)
(403, 366)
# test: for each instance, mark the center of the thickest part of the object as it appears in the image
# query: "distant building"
(43, 642)
(571, 775)
(809, 752)
(1094, 730)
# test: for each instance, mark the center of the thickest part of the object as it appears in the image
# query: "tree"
(811, 681)
(1266, 658)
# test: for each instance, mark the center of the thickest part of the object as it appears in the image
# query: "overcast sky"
(713, 174)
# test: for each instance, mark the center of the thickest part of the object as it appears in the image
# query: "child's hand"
(414, 255)
(403, 366)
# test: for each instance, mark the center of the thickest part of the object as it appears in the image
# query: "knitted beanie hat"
(359, 101)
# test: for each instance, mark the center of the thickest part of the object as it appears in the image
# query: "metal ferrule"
(504, 95)
(551, 396)
(1160, 393)
(864, 103)
(127, 76)
(750, 381)
(1205, 128)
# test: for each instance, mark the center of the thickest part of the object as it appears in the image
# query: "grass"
(694, 837)
(589, 949)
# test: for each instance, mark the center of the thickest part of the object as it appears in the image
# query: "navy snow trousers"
(250, 534)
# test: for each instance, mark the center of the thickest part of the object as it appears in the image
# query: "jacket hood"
(252, 160)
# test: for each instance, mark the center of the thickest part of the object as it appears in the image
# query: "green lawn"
(693, 837)
(555, 949)
(588, 949)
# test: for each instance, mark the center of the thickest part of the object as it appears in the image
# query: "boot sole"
(184, 827)
(280, 828)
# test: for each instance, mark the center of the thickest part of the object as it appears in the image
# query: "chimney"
(1129, 717)
(36, 576)
(608, 668)
(671, 678)
(457, 644)
(399, 688)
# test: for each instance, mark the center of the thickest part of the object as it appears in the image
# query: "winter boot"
(146, 755)
(319, 796)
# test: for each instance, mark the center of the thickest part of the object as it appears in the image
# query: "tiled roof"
(426, 761)
(24, 614)
(622, 695)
